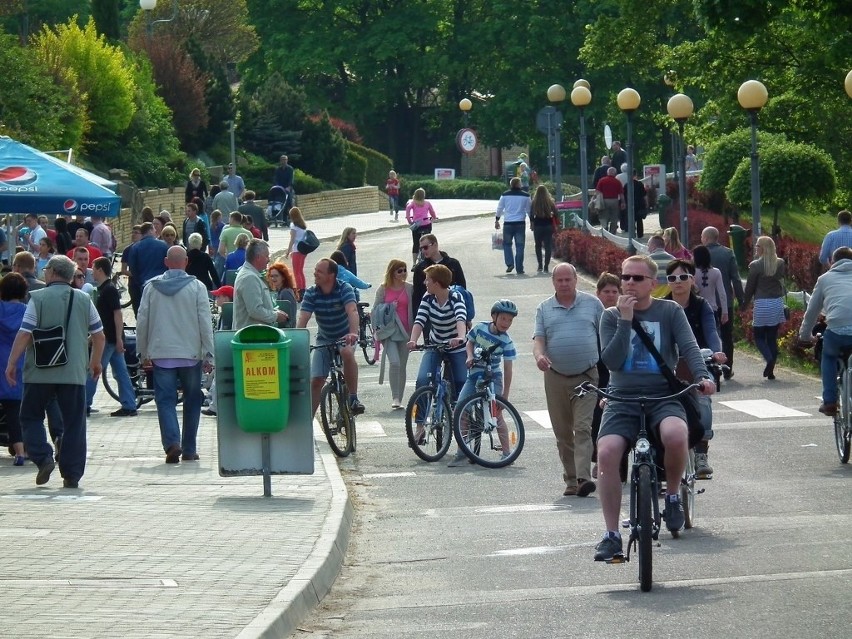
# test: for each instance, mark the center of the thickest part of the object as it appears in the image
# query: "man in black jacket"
(430, 254)
(724, 259)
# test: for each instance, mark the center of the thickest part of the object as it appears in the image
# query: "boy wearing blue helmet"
(486, 335)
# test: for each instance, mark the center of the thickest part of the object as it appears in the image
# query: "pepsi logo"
(70, 206)
(18, 175)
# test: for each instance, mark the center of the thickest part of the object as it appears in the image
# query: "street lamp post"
(465, 105)
(150, 5)
(556, 94)
(752, 96)
(680, 108)
(581, 96)
(628, 101)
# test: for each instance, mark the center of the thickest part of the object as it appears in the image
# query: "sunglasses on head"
(626, 277)
(680, 277)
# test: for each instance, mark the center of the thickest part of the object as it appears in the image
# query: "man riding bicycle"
(635, 372)
(833, 296)
(334, 304)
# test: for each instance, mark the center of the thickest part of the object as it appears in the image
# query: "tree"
(790, 173)
(100, 71)
(324, 149)
(271, 118)
(725, 155)
(105, 15)
(181, 85)
(221, 29)
(37, 107)
(148, 148)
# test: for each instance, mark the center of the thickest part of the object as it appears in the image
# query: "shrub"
(455, 189)
(378, 164)
(323, 149)
(590, 253)
(305, 183)
(354, 171)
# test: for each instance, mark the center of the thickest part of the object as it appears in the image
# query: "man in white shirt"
(515, 204)
(36, 234)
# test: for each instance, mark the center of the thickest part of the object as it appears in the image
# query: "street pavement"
(145, 549)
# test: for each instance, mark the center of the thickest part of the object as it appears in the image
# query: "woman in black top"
(200, 264)
(195, 187)
(543, 214)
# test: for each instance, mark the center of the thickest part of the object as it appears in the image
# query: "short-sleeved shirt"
(442, 318)
(570, 332)
(482, 336)
(108, 302)
(329, 310)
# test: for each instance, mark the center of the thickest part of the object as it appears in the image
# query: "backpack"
(309, 243)
(467, 298)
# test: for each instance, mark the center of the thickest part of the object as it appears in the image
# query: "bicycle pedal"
(699, 492)
(617, 559)
(625, 523)
(703, 477)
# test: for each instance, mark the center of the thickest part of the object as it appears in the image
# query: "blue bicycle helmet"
(504, 306)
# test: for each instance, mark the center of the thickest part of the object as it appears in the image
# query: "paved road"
(439, 552)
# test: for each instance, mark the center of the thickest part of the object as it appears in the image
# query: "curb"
(315, 578)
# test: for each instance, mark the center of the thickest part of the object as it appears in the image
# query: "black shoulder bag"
(49, 343)
(699, 416)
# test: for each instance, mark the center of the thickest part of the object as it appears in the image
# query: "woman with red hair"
(283, 286)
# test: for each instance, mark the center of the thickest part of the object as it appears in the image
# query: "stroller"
(278, 207)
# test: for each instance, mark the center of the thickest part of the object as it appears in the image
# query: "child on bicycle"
(486, 335)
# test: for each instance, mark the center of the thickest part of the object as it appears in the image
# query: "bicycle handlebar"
(336, 344)
(433, 346)
(588, 387)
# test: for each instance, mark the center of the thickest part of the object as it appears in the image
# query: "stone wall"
(365, 199)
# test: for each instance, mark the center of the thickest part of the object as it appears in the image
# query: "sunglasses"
(402, 270)
(626, 277)
(682, 277)
(423, 247)
(79, 276)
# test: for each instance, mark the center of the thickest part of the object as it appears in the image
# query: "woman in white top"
(708, 279)
(297, 234)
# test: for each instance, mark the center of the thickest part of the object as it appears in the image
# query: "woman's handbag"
(49, 343)
(599, 201)
(699, 415)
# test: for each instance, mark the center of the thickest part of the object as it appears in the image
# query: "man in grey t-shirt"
(634, 371)
(566, 349)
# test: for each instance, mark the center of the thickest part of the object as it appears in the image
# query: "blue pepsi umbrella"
(34, 182)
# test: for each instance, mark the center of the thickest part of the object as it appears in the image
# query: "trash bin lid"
(259, 334)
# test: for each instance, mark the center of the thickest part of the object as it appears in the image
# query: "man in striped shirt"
(333, 303)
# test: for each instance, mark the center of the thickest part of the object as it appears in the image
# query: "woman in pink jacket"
(419, 214)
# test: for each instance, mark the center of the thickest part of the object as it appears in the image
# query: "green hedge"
(378, 164)
(354, 171)
(455, 189)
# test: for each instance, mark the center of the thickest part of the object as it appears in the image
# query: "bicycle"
(843, 416)
(370, 346)
(120, 280)
(141, 378)
(429, 413)
(481, 415)
(336, 417)
(645, 518)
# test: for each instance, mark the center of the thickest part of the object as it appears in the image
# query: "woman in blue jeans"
(444, 313)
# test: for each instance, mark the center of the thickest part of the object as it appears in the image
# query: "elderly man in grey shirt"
(566, 349)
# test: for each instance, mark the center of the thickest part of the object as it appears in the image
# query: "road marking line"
(383, 475)
(541, 417)
(763, 409)
(56, 497)
(370, 429)
(521, 508)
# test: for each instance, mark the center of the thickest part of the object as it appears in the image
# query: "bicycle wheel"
(842, 431)
(491, 434)
(336, 421)
(370, 345)
(687, 492)
(122, 283)
(111, 384)
(428, 424)
(645, 514)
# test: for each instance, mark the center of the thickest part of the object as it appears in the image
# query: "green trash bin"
(663, 203)
(738, 236)
(261, 378)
